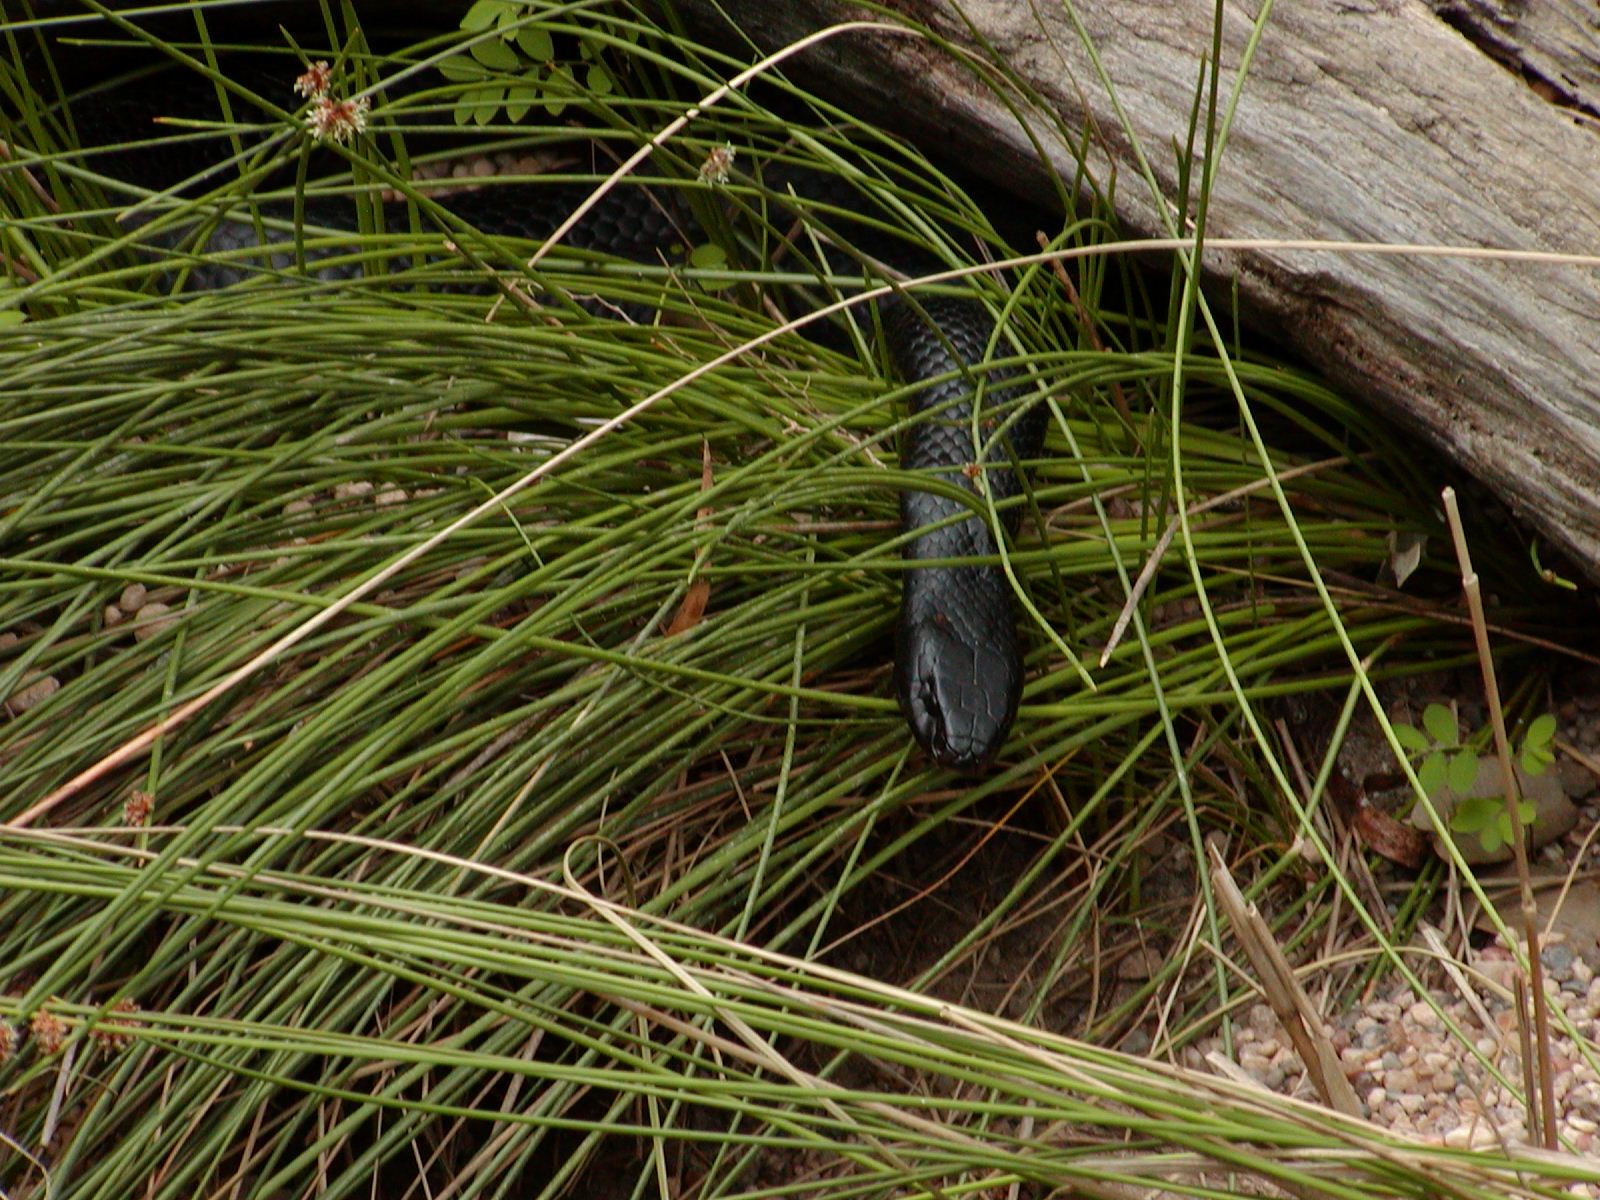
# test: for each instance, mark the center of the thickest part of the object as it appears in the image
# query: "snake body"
(958, 654)
(958, 658)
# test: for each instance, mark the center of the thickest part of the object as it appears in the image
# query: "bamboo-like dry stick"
(1535, 1067)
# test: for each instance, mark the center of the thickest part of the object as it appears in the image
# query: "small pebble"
(1576, 779)
(1421, 1014)
(36, 692)
(152, 620)
(1461, 1136)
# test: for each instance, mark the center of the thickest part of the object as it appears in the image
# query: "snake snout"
(958, 679)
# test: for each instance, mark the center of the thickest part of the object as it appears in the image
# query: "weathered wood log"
(1377, 121)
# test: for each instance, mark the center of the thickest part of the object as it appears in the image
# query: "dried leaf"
(1385, 834)
(692, 609)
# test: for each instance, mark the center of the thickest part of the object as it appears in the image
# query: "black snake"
(958, 656)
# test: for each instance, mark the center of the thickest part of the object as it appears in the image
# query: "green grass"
(488, 878)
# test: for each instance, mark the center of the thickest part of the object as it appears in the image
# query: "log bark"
(1463, 124)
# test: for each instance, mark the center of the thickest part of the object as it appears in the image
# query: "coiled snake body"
(958, 655)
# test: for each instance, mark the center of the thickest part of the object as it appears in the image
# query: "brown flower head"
(315, 82)
(137, 807)
(49, 1029)
(331, 120)
(116, 1034)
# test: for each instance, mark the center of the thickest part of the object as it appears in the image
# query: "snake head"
(958, 665)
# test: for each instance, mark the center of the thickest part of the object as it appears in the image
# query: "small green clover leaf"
(1440, 722)
(1462, 772)
(536, 44)
(1486, 816)
(520, 97)
(709, 256)
(1411, 738)
(1537, 762)
(1536, 742)
(497, 56)
(1433, 773)
(485, 13)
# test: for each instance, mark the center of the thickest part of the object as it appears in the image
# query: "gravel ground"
(1448, 1072)
(1414, 1075)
